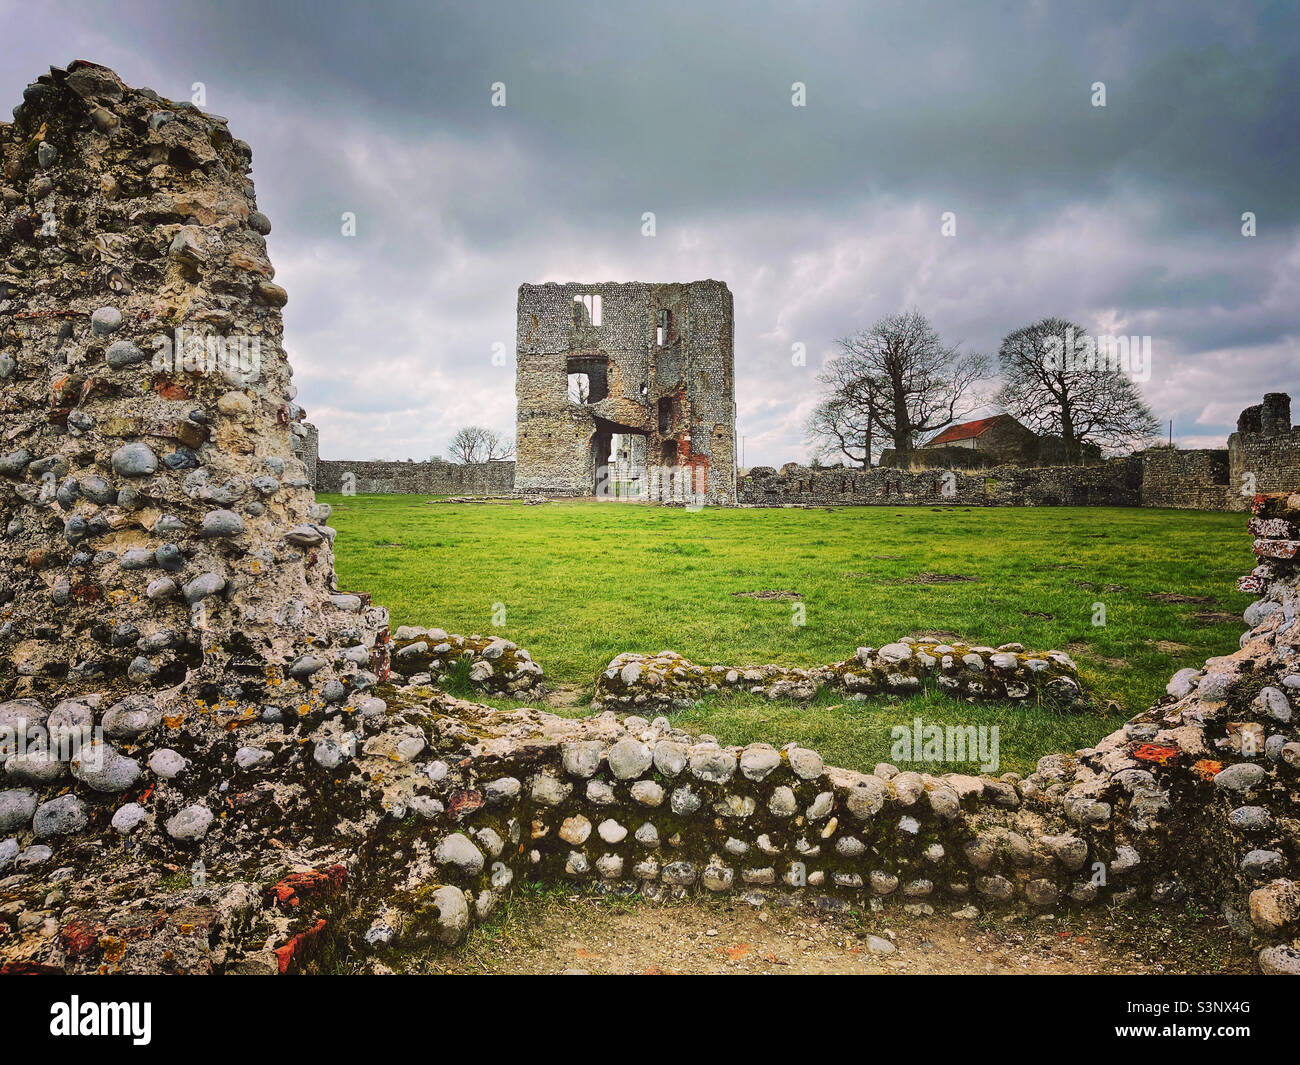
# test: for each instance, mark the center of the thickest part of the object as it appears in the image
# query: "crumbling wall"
(184, 690)
(941, 457)
(308, 450)
(157, 521)
(669, 379)
(167, 594)
(422, 657)
(666, 681)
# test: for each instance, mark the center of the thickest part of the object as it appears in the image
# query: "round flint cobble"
(60, 817)
(629, 758)
(712, 764)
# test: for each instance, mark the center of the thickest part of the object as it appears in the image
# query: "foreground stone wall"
(158, 525)
(284, 799)
(417, 478)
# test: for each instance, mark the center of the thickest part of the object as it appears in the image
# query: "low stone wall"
(418, 478)
(1194, 798)
(667, 681)
(637, 805)
(492, 664)
(1114, 483)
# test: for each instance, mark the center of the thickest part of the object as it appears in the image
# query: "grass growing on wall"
(578, 582)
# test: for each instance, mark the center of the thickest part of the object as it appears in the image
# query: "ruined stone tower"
(617, 379)
(1264, 452)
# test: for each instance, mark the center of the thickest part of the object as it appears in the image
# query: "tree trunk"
(1067, 436)
(902, 429)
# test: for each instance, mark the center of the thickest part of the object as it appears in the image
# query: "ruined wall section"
(1190, 480)
(158, 522)
(666, 681)
(710, 387)
(1264, 452)
(307, 448)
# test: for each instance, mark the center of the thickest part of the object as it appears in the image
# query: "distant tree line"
(897, 383)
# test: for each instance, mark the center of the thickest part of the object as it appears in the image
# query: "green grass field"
(578, 582)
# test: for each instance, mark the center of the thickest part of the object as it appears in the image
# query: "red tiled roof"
(965, 431)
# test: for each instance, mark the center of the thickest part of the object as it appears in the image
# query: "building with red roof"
(998, 440)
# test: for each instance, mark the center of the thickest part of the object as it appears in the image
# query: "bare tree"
(467, 444)
(497, 446)
(897, 377)
(844, 422)
(579, 388)
(1053, 387)
(474, 443)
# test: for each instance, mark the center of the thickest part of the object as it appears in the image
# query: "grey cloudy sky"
(1126, 219)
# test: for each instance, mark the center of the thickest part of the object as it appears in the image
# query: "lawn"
(578, 582)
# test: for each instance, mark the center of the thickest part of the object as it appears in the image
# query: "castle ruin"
(184, 689)
(626, 390)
